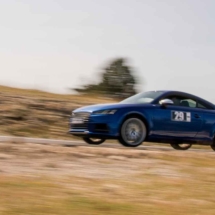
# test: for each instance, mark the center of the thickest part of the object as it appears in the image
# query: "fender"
(212, 132)
(143, 115)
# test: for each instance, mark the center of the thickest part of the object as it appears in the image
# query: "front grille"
(82, 117)
(79, 126)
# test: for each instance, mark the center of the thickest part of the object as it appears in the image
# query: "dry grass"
(64, 97)
(33, 113)
(56, 180)
(53, 180)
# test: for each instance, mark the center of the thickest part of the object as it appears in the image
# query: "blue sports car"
(177, 118)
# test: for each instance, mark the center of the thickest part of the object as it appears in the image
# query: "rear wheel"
(181, 146)
(133, 132)
(93, 141)
(213, 145)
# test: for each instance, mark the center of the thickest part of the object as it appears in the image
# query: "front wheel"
(93, 141)
(133, 132)
(181, 146)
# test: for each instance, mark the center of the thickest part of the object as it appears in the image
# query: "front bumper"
(103, 126)
(78, 132)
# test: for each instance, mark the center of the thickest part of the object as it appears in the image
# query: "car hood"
(97, 107)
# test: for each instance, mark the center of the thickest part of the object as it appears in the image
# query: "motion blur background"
(66, 54)
(55, 45)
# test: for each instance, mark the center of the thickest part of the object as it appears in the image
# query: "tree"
(117, 79)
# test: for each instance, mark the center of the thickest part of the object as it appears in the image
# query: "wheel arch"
(137, 115)
(212, 133)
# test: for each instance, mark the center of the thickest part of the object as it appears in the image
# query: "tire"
(213, 145)
(181, 146)
(93, 141)
(132, 132)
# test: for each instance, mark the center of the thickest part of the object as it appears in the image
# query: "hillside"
(82, 180)
(33, 113)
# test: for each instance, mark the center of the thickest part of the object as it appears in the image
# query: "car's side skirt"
(202, 141)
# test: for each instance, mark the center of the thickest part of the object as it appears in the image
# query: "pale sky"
(55, 44)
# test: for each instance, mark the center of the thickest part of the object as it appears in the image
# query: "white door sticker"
(181, 116)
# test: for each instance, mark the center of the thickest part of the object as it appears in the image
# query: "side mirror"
(165, 102)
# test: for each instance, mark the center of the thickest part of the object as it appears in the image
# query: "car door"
(181, 119)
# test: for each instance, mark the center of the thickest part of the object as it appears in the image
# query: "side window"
(181, 101)
(203, 106)
(200, 106)
(188, 103)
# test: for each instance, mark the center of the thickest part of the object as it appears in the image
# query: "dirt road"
(79, 179)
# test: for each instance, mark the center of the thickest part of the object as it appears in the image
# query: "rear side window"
(203, 106)
(187, 102)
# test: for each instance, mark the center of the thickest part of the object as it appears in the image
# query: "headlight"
(105, 112)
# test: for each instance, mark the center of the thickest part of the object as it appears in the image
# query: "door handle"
(196, 115)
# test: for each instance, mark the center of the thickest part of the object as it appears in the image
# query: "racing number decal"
(181, 116)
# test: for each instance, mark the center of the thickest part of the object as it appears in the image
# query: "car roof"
(181, 93)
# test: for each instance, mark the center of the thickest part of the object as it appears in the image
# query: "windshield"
(142, 98)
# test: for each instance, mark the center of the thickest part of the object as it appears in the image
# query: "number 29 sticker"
(181, 116)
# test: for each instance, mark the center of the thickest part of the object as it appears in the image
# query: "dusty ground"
(58, 180)
(44, 179)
